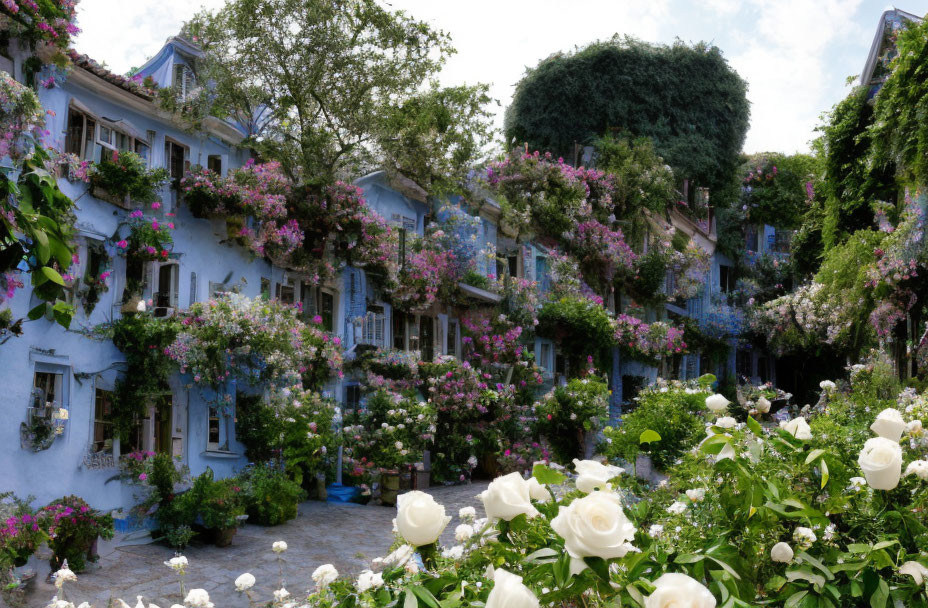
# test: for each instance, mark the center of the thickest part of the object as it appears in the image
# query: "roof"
(891, 16)
(127, 84)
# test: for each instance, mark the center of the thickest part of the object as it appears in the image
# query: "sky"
(796, 55)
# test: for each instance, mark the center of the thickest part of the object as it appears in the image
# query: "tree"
(687, 99)
(332, 78)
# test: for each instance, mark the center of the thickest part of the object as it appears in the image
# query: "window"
(164, 290)
(106, 136)
(320, 302)
(193, 289)
(143, 148)
(50, 389)
(102, 421)
(353, 397)
(427, 338)
(213, 432)
(544, 359)
(541, 272)
(176, 160)
(185, 81)
(399, 330)
(79, 139)
(750, 238)
(265, 288)
(286, 291)
(453, 338)
(513, 264)
(726, 281)
(214, 163)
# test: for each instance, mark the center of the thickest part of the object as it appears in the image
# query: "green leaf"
(726, 568)
(824, 473)
(599, 566)
(755, 427)
(425, 596)
(546, 475)
(688, 558)
(37, 313)
(52, 275)
(542, 556)
(795, 598)
(879, 597)
(813, 455)
(649, 436)
(814, 562)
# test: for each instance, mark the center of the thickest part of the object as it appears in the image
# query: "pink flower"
(143, 477)
(156, 205)
(122, 244)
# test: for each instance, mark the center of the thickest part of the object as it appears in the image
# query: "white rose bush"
(824, 513)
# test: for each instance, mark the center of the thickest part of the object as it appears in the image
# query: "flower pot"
(223, 536)
(643, 467)
(391, 488)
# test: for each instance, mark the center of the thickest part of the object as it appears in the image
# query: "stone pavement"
(345, 535)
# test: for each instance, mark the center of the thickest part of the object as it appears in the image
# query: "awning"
(124, 126)
(77, 105)
(480, 294)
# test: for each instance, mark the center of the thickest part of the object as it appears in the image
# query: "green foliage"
(643, 180)
(175, 513)
(436, 137)
(36, 232)
(899, 133)
(126, 174)
(219, 503)
(309, 441)
(581, 327)
(258, 427)
(335, 77)
(570, 412)
(775, 188)
(72, 527)
(142, 339)
(621, 85)
(851, 180)
(271, 497)
(675, 415)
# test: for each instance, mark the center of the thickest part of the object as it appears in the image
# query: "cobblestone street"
(345, 535)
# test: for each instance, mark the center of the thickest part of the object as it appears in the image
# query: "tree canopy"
(333, 78)
(686, 98)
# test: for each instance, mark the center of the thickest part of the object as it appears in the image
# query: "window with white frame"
(286, 291)
(219, 429)
(545, 360)
(453, 339)
(81, 132)
(102, 420)
(176, 159)
(51, 384)
(185, 81)
(318, 301)
(164, 294)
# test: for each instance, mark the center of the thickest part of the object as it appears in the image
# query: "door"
(162, 424)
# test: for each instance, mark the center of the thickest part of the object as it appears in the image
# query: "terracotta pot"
(391, 487)
(223, 536)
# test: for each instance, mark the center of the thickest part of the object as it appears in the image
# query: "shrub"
(72, 529)
(581, 326)
(219, 503)
(674, 414)
(20, 533)
(569, 412)
(271, 498)
(175, 513)
(127, 174)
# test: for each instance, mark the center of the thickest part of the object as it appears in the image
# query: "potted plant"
(73, 528)
(271, 497)
(123, 177)
(221, 506)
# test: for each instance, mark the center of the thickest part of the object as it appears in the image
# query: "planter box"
(103, 195)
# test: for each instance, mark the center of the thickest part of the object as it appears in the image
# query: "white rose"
(509, 592)
(594, 526)
(857, 484)
(538, 492)
(177, 564)
(455, 552)
(889, 424)
(324, 574)
(397, 558)
(826, 385)
(797, 427)
(914, 428)
(463, 533)
(279, 546)
(916, 570)
(782, 553)
(655, 531)
(592, 475)
(804, 536)
(419, 519)
(676, 508)
(674, 590)
(369, 580)
(919, 468)
(696, 495)
(281, 594)
(881, 462)
(467, 513)
(198, 598)
(65, 575)
(726, 422)
(507, 497)
(245, 582)
(717, 403)
(727, 452)
(762, 405)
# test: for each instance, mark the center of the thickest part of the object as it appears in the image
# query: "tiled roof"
(136, 88)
